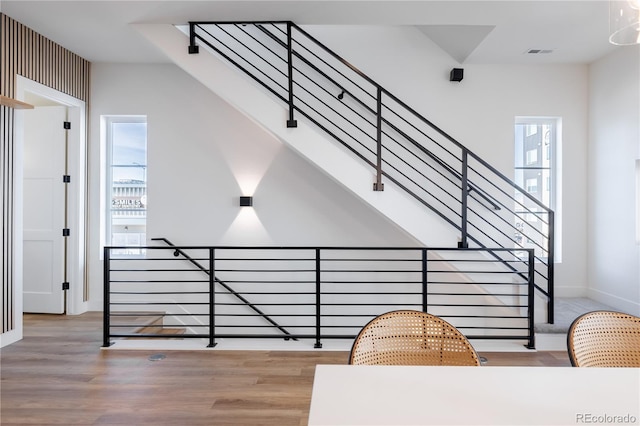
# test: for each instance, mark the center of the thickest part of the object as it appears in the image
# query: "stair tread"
(159, 329)
(144, 322)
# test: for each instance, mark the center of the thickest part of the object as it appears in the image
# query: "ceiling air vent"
(538, 51)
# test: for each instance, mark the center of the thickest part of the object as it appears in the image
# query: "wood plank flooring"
(59, 375)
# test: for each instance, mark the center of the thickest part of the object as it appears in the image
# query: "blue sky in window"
(129, 151)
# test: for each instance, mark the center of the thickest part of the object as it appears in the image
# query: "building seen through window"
(535, 144)
(127, 180)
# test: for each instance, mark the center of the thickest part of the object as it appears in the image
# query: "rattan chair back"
(411, 338)
(604, 339)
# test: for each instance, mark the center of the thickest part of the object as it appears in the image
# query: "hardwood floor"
(59, 375)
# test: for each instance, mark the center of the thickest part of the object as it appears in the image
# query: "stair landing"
(567, 310)
(553, 337)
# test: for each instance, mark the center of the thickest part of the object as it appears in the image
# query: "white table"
(395, 395)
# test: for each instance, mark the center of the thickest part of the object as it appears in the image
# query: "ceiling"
(472, 32)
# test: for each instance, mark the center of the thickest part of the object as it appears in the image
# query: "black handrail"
(380, 118)
(421, 117)
(178, 251)
(296, 103)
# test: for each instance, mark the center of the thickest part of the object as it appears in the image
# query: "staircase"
(157, 328)
(143, 324)
(364, 137)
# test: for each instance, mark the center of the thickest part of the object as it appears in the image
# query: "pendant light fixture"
(624, 22)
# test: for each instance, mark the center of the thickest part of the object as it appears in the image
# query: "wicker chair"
(604, 339)
(411, 338)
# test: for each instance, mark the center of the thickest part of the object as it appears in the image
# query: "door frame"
(77, 295)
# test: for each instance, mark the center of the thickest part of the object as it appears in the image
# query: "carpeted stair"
(566, 311)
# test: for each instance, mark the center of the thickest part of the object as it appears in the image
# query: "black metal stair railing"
(179, 252)
(313, 292)
(402, 146)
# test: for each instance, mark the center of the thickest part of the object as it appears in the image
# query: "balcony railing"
(316, 293)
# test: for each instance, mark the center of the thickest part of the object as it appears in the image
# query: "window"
(126, 181)
(535, 172)
(530, 129)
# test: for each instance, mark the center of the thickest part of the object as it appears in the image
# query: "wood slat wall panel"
(25, 52)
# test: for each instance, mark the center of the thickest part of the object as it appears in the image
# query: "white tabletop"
(397, 395)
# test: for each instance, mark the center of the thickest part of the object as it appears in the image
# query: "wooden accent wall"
(27, 53)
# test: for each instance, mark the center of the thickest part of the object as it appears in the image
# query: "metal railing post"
(318, 344)
(531, 300)
(212, 298)
(193, 47)
(378, 185)
(550, 268)
(290, 122)
(425, 300)
(106, 310)
(465, 194)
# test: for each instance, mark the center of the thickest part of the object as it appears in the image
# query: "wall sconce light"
(624, 22)
(246, 201)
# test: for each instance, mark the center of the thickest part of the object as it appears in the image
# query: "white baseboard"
(10, 337)
(624, 305)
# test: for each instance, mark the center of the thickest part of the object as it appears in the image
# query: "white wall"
(614, 147)
(480, 110)
(203, 155)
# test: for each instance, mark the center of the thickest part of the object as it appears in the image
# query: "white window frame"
(106, 122)
(551, 153)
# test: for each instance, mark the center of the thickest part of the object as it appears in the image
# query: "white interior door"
(44, 209)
